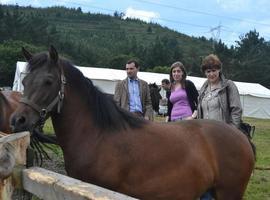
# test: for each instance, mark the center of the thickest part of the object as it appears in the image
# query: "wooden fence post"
(19, 142)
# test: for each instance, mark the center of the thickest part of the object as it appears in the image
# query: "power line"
(201, 12)
(177, 21)
(164, 19)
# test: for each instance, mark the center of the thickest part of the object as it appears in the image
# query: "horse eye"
(48, 82)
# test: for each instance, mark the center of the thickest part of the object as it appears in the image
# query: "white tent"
(254, 97)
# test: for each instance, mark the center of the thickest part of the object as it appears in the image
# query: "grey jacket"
(232, 110)
(121, 96)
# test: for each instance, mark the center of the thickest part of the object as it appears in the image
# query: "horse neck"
(74, 120)
(3, 100)
(5, 108)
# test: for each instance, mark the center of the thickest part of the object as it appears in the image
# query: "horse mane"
(105, 113)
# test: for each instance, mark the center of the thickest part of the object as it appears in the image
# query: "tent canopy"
(253, 89)
(255, 98)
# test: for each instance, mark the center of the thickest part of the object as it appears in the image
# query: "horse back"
(161, 160)
(221, 143)
(190, 155)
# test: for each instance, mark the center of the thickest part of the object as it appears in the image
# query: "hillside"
(98, 40)
(90, 39)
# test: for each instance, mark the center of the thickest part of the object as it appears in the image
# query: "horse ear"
(27, 55)
(53, 54)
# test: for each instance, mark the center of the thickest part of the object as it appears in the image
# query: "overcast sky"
(221, 19)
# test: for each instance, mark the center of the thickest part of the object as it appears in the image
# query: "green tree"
(252, 59)
(119, 61)
(160, 69)
(11, 52)
(226, 57)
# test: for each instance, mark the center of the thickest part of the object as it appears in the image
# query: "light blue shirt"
(135, 104)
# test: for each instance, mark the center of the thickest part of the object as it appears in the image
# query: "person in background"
(166, 86)
(182, 104)
(218, 98)
(133, 94)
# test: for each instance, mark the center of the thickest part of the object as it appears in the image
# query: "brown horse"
(9, 101)
(105, 145)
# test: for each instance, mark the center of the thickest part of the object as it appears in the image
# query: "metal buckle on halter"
(63, 79)
(61, 95)
(43, 113)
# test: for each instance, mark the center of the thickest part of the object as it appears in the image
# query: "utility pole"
(215, 35)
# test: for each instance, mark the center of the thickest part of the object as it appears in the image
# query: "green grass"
(48, 129)
(259, 185)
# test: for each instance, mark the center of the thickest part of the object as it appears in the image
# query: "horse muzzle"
(21, 122)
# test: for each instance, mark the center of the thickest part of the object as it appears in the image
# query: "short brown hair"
(166, 81)
(133, 61)
(211, 62)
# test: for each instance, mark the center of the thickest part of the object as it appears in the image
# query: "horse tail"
(249, 131)
(253, 146)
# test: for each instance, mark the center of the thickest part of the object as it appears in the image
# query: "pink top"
(181, 107)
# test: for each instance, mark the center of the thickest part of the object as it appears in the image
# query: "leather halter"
(43, 112)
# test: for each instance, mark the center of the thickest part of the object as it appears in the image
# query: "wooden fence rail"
(49, 185)
(43, 183)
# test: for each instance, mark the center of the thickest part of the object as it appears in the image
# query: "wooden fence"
(46, 184)
(52, 186)
(19, 143)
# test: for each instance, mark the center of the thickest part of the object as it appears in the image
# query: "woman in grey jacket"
(218, 98)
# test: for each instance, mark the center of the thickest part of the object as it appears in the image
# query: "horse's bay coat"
(106, 145)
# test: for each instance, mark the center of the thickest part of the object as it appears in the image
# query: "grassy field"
(259, 185)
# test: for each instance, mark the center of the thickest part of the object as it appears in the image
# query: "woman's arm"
(234, 104)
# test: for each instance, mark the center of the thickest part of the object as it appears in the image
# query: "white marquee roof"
(253, 89)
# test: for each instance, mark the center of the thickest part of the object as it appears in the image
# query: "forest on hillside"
(96, 40)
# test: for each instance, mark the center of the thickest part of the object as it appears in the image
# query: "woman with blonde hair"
(182, 102)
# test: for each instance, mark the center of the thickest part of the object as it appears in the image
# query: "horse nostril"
(21, 120)
(18, 123)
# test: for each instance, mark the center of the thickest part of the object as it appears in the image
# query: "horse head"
(9, 101)
(43, 90)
